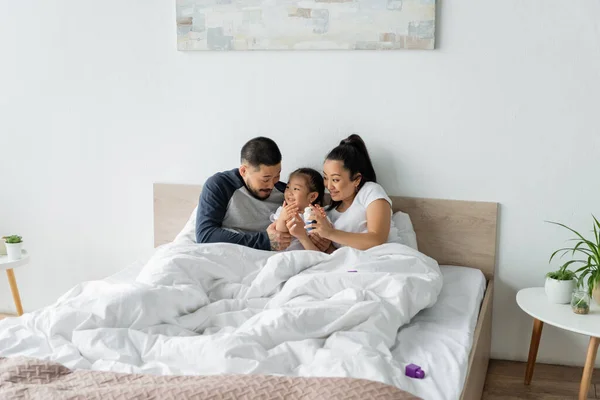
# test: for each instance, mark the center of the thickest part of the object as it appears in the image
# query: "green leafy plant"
(12, 239)
(562, 274)
(588, 256)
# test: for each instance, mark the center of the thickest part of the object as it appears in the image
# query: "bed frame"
(453, 232)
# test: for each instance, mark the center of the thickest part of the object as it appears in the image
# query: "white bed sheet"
(438, 339)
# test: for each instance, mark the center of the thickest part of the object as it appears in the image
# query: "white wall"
(96, 104)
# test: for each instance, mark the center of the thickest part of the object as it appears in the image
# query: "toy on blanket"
(414, 371)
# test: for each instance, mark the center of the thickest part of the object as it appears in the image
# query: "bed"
(460, 236)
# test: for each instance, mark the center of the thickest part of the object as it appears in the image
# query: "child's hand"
(288, 211)
(295, 226)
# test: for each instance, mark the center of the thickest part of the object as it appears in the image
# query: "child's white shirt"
(295, 243)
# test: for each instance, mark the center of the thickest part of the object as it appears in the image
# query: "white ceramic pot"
(14, 251)
(559, 291)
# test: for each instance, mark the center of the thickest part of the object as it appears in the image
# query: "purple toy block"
(414, 371)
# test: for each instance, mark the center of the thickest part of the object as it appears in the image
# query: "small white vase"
(559, 292)
(14, 251)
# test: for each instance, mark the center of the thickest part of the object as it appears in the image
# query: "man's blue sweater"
(227, 212)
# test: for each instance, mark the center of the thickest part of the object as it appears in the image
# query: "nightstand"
(535, 303)
(9, 265)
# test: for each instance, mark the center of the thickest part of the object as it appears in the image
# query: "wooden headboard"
(453, 232)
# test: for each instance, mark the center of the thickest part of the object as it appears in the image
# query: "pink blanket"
(26, 378)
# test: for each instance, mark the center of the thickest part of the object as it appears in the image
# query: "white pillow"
(188, 233)
(406, 233)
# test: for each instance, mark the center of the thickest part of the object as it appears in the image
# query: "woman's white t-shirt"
(354, 219)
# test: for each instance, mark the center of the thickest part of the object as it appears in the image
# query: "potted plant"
(14, 244)
(589, 259)
(560, 284)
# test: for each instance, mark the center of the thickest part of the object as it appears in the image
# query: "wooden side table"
(6, 264)
(534, 302)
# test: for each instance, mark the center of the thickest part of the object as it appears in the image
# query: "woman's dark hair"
(315, 182)
(353, 154)
(260, 151)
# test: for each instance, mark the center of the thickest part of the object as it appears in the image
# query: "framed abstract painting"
(305, 24)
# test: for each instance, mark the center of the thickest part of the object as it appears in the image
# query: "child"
(305, 188)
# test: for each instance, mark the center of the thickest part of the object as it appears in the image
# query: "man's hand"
(321, 243)
(279, 240)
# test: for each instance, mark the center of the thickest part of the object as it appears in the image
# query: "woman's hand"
(322, 244)
(322, 226)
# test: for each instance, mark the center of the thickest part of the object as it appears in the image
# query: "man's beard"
(259, 194)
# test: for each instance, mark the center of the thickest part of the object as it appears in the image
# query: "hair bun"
(352, 140)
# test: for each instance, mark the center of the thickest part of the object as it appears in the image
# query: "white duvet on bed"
(223, 308)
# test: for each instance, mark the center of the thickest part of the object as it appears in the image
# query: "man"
(235, 205)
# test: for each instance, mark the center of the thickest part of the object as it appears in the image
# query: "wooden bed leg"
(536, 334)
(586, 379)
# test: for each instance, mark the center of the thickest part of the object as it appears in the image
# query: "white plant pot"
(14, 251)
(559, 292)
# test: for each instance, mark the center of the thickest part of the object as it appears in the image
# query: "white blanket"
(223, 308)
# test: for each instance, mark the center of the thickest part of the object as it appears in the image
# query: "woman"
(360, 211)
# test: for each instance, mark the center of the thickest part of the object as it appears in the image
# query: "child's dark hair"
(315, 182)
(353, 154)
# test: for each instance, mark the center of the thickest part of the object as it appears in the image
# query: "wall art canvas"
(305, 24)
